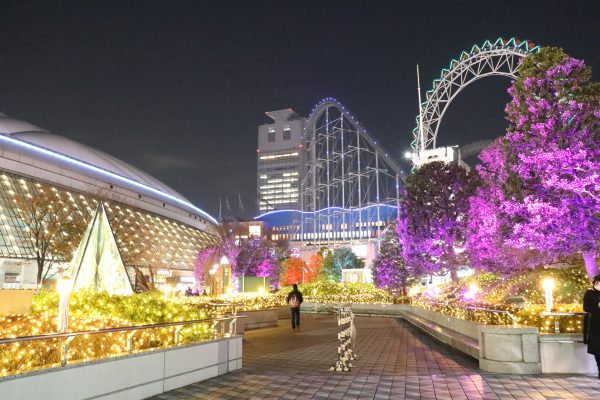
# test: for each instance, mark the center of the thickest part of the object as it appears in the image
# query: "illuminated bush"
(521, 295)
(348, 293)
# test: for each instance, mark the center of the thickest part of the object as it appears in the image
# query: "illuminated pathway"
(396, 361)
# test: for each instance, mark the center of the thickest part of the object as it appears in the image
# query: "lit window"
(254, 230)
(287, 132)
(275, 156)
(271, 137)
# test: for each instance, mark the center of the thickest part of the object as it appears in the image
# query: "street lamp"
(64, 287)
(548, 285)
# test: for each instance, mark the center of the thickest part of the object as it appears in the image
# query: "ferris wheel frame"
(500, 58)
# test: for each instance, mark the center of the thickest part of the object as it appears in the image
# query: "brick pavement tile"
(396, 362)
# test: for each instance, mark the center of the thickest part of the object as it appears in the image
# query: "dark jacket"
(591, 334)
(297, 293)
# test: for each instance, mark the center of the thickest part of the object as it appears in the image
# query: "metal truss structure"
(350, 184)
(499, 58)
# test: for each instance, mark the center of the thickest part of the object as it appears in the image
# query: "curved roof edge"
(14, 131)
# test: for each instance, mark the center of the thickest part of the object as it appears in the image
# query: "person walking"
(294, 299)
(591, 326)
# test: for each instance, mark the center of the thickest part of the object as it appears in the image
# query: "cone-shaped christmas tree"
(97, 264)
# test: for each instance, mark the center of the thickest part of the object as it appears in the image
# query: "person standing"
(294, 299)
(591, 329)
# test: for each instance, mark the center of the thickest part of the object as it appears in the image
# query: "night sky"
(178, 88)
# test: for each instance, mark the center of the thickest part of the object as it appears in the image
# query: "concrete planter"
(509, 349)
(16, 301)
(257, 319)
(499, 348)
(130, 377)
(564, 353)
(283, 312)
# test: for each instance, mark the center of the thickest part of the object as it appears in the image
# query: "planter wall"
(499, 348)
(16, 301)
(284, 312)
(565, 353)
(257, 319)
(128, 378)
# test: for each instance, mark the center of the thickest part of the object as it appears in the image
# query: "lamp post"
(226, 272)
(213, 280)
(64, 287)
(548, 285)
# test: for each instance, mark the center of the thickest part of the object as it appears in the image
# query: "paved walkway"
(396, 361)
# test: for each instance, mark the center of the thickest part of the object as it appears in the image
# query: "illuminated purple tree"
(205, 258)
(209, 256)
(389, 270)
(488, 226)
(544, 175)
(433, 218)
(256, 258)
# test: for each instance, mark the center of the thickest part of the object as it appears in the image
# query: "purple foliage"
(433, 218)
(255, 258)
(389, 270)
(540, 197)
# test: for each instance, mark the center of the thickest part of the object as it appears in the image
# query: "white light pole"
(64, 287)
(548, 286)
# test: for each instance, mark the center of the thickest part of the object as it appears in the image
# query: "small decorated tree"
(256, 258)
(313, 267)
(389, 270)
(336, 260)
(294, 267)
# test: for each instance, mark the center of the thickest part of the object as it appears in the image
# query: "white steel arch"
(500, 58)
(349, 180)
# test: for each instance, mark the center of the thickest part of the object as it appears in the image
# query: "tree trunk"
(591, 266)
(40, 271)
(453, 274)
(151, 283)
(404, 291)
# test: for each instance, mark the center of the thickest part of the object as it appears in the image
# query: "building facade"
(348, 185)
(157, 230)
(280, 158)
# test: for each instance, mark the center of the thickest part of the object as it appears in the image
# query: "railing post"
(130, 341)
(65, 351)
(213, 328)
(233, 325)
(178, 334)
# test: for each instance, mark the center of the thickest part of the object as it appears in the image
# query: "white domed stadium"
(158, 231)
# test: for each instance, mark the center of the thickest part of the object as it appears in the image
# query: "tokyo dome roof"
(29, 133)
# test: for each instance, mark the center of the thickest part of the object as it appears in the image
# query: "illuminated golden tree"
(54, 226)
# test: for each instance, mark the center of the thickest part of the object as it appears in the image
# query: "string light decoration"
(348, 293)
(99, 310)
(521, 295)
(145, 240)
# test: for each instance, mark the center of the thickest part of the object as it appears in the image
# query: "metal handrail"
(227, 304)
(70, 336)
(561, 314)
(110, 330)
(512, 317)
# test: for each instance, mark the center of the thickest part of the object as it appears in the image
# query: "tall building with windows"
(279, 161)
